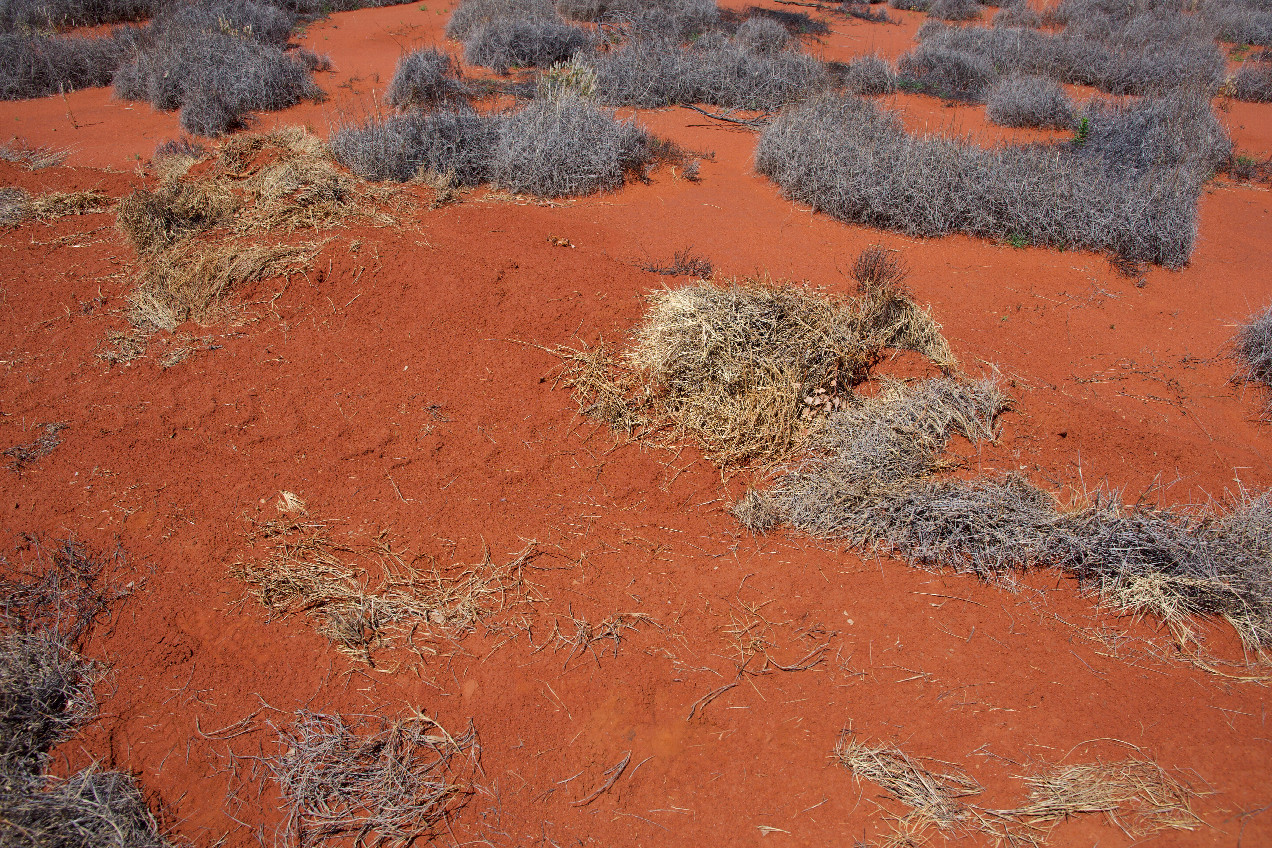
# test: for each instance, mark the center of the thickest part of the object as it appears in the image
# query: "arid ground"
(404, 387)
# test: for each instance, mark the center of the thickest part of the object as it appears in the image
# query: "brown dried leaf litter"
(212, 226)
(360, 593)
(1136, 795)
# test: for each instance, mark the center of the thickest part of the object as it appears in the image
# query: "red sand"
(327, 392)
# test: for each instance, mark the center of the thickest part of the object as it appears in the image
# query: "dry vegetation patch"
(756, 373)
(358, 593)
(749, 369)
(213, 225)
(379, 782)
(1136, 795)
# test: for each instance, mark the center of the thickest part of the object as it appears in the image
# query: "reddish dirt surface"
(399, 386)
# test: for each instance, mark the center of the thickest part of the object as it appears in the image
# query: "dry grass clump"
(201, 238)
(17, 205)
(867, 75)
(1137, 796)
(356, 594)
(376, 781)
(933, 795)
(32, 158)
(426, 77)
(747, 368)
(1026, 101)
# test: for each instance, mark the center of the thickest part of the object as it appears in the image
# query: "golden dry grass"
(18, 205)
(747, 369)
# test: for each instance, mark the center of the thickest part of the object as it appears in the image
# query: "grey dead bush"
(863, 10)
(911, 5)
(219, 78)
(661, 73)
(46, 696)
(50, 15)
(1253, 349)
(955, 10)
(868, 75)
(796, 23)
(425, 78)
(1139, 55)
(507, 43)
(1029, 102)
(676, 20)
(951, 74)
(260, 21)
(1253, 82)
(1018, 15)
(469, 15)
(1239, 21)
(1121, 191)
(37, 65)
(552, 148)
(762, 35)
(566, 147)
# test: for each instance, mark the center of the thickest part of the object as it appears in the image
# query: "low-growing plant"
(867, 75)
(37, 65)
(1131, 188)
(425, 78)
(951, 74)
(955, 10)
(507, 43)
(470, 15)
(762, 35)
(1253, 349)
(566, 79)
(1029, 102)
(1253, 82)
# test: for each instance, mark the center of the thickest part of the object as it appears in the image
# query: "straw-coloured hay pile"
(757, 373)
(1135, 795)
(198, 235)
(357, 594)
(390, 784)
(749, 369)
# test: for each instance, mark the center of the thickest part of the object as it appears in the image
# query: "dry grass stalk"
(357, 593)
(748, 369)
(389, 785)
(582, 636)
(32, 158)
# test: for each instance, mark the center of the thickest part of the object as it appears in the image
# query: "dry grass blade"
(582, 636)
(356, 594)
(933, 795)
(390, 784)
(32, 158)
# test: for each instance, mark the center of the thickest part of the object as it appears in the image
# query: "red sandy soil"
(398, 386)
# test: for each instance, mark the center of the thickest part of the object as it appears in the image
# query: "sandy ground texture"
(403, 387)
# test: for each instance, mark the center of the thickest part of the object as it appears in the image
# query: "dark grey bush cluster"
(1019, 14)
(1253, 82)
(49, 15)
(425, 78)
(911, 5)
(947, 73)
(1130, 189)
(714, 71)
(34, 65)
(1145, 54)
(678, 20)
(503, 34)
(868, 75)
(553, 148)
(1240, 21)
(955, 10)
(1029, 102)
(217, 62)
(508, 43)
(762, 35)
(1254, 348)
